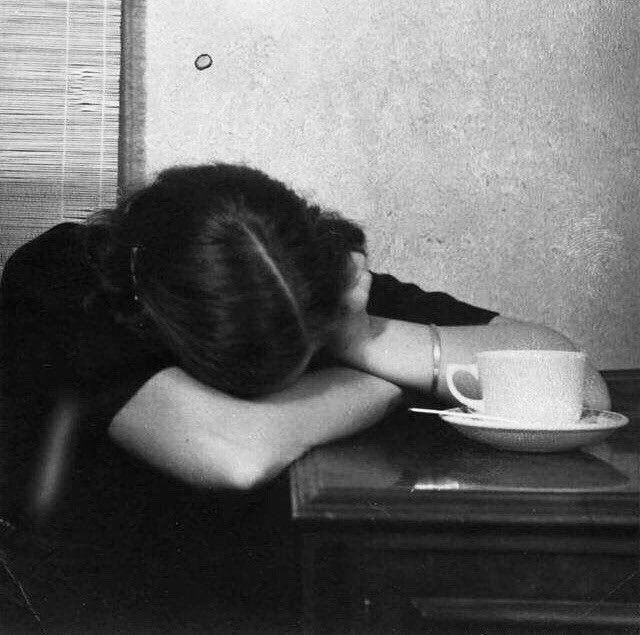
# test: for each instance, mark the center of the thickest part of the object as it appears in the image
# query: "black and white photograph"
(319, 317)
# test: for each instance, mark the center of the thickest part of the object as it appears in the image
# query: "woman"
(215, 327)
(190, 316)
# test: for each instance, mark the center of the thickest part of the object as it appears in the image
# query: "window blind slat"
(59, 103)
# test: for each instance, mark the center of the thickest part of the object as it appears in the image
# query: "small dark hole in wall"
(203, 61)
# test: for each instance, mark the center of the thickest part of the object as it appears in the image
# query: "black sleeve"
(33, 343)
(51, 346)
(393, 299)
(64, 371)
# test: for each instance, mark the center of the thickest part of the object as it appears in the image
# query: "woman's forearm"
(402, 352)
(211, 439)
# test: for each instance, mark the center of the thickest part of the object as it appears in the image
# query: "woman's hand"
(356, 328)
(399, 352)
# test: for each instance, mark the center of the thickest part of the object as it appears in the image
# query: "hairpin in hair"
(133, 255)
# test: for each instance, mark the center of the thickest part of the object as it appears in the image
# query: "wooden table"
(412, 528)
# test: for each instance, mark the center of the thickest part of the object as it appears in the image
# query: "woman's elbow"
(250, 470)
(552, 339)
(203, 465)
(247, 479)
(532, 335)
(241, 474)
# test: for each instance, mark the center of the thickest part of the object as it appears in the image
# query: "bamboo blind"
(59, 103)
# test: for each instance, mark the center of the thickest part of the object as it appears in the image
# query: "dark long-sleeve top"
(56, 345)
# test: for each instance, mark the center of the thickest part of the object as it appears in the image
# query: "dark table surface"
(414, 468)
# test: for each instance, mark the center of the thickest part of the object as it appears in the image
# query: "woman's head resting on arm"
(238, 276)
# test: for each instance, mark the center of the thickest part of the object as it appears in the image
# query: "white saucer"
(593, 426)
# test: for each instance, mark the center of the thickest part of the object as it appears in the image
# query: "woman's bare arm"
(402, 352)
(210, 439)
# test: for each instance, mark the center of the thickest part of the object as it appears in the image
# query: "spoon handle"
(469, 415)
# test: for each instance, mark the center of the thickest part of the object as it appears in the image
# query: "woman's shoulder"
(61, 246)
(63, 236)
(49, 273)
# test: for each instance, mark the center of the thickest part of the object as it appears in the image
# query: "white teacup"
(544, 389)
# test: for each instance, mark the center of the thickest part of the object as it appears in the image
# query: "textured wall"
(490, 147)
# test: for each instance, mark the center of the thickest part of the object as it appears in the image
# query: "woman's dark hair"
(239, 277)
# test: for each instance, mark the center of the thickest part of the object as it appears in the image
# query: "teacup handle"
(452, 369)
